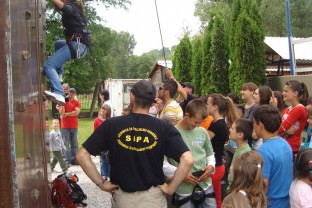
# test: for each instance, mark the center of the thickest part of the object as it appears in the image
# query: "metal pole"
(290, 45)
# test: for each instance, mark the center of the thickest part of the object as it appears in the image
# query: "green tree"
(248, 61)
(121, 50)
(301, 18)
(139, 67)
(206, 59)
(183, 60)
(252, 9)
(246, 45)
(274, 17)
(206, 10)
(219, 55)
(236, 9)
(196, 65)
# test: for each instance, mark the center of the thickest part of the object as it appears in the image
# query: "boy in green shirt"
(240, 132)
(197, 140)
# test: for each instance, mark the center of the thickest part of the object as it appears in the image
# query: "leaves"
(197, 65)
(183, 60)
(247, 48)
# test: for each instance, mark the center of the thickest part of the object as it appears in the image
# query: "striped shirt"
(172, 111)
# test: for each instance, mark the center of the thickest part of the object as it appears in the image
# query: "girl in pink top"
(300, 192)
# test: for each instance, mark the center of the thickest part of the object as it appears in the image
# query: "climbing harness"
(75, 54)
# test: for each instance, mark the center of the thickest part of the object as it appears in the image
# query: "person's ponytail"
(230, 112)
(301, 88)
(305, 94)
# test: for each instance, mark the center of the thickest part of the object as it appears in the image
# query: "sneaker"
(59, 99)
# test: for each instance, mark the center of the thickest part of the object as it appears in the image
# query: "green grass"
(85, 129)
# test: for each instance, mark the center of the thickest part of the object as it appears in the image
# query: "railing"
(85, 103)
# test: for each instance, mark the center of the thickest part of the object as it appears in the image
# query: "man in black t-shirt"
(137, 144)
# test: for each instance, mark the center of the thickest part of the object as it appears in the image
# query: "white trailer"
(119, 93)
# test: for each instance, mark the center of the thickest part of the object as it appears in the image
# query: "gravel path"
(96, 197)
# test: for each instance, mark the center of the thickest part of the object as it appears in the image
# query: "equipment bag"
(66, 192)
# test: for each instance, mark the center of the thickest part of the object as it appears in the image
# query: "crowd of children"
(265, 134)
(263, 130)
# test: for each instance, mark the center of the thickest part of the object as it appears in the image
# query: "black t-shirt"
(220, 130)
(137, 144)
(185, 102)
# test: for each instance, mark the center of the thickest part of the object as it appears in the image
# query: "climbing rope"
(162, 43)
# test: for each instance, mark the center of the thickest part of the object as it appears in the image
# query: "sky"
(141, 21)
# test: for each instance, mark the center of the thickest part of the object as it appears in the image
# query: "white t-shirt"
(300, 194)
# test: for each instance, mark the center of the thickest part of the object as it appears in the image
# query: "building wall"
(278, 83)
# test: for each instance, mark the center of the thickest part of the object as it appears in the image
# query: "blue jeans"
(71, 143)
(55, 64)
(208, 203)
(105, 167)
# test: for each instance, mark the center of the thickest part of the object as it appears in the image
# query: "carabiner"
(78, 47)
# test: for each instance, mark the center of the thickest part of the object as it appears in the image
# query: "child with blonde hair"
(57, 145)
(247, 188)
(105, 113)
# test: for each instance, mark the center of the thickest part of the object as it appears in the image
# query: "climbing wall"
(24, 147)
